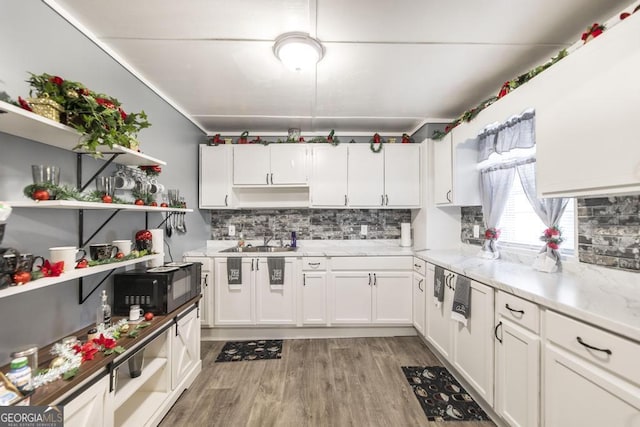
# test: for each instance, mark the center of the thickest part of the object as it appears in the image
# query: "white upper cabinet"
(274, 164)
(366, 177)
(456, 179)
(586, 137)
(329, 182)
(215, 176)
(402, 175)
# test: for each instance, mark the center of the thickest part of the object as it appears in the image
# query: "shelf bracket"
(83, 244)
(82, 187)
(169, 215)
(81, 297)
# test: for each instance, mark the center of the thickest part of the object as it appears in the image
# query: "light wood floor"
(320, 382)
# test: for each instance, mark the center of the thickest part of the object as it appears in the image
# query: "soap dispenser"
(294, 241)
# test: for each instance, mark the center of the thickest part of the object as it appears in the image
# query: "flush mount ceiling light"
(298, 51)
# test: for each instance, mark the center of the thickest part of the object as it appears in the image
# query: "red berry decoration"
(40, 195)
(154, 204)
(139, 202)
(107, 199)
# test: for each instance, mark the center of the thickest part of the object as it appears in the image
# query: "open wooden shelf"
(70, 275)
(126, 386)
(25, 124)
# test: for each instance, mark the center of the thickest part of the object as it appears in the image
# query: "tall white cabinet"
(329, 182)
(215, 176)
(366, 177)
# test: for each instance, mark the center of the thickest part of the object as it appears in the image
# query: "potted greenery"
(98, 116)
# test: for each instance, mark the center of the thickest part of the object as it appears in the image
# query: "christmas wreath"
(377, 139)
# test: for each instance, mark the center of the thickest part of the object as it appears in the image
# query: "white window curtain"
(516, 134)
(549, 211)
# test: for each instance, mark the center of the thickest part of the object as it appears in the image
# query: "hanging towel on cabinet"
(275, 266)
(438, 286)
(461, 310)
(234, 271)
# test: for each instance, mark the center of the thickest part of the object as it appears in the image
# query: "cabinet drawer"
(419, 266)
(620, 355)
(314, 263)
(372, 263)
(517, 310)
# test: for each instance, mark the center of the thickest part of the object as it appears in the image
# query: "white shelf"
(140, 408)
(70, 275)
(74, 204)
(25, 124)
(126, 386)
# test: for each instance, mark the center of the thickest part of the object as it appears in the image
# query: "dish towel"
(461, 310)
(276, 270)
(438, 286)
(234, 271)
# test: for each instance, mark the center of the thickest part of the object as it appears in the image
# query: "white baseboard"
(221, 334)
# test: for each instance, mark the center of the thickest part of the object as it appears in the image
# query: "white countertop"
(601, 296)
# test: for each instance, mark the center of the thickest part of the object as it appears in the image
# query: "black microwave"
(158, 290)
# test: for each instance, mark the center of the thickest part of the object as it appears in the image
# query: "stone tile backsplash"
(309, 224)
(608, 230)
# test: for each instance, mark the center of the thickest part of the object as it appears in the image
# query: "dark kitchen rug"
(235, 351)
(442, 397)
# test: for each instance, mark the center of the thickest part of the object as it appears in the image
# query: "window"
(521, 227)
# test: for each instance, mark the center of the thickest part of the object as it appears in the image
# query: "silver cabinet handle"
(272, 179)
(226, 199)
(449, 195)
(304, 280)
(386, 199)
(369, 279)
(419, 285)
(206, 280)
(267, 179)
(345, 200)
(257, 264)
(252, 264)
(375, 280)
(382, 200)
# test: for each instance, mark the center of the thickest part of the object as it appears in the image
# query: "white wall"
(34, 38)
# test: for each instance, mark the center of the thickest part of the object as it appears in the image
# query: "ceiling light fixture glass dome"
(298, 51)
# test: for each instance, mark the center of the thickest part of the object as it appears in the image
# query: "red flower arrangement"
(153, 170)
(552, 236)
(492, 234)
(88, 350)
(52, 270)
(104, 342)
(592, 32)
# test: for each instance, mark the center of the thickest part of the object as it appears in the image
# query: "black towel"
(438, 286)
(234, 271)
(461, 310)
(276, 270)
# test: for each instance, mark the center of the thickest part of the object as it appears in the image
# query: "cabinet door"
(438, 327)
(351, 297)
(215, 176)
(314, 298)
(275, 304)
(251, 164)
(392, 296)
(288, 164)
(473, 345)
(586, 139)
(419, 300)
(185, 348)
(366, 176)
(329, 183)
(234, 303)
(517, 378)
(402, 175)
(206, 284)
(91, 408)
(578, 393)
(442, 171)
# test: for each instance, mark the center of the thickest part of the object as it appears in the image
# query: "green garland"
(65, 192)
(133, 255)
(469, 115)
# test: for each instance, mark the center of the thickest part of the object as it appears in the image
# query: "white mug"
(67, 254)
(156, 188)
(123, 246)
(124, 182)
(135, 312)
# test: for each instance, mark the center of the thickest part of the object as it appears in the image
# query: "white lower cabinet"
(382, 295)
(517, 346)
(591, 376)
(185, 348)
(92, 408)
(419, 301)
(438, 328)
(206, 284)
(314, 291)
(255, 301)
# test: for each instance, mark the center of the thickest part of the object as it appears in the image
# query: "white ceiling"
(389, 66)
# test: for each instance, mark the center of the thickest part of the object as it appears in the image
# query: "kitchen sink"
(253, 249)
